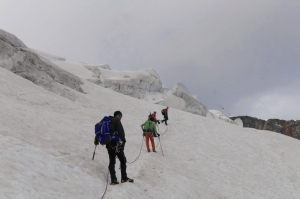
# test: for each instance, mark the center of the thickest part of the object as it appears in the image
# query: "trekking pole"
(159, 134)
(161, 146)
(94, 152)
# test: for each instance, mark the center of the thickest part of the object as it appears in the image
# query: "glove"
(96, 142)
(158, 122)
(158, 134)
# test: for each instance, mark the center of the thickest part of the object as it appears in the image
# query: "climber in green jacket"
(149, 129)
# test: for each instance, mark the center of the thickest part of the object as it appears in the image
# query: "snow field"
(47, 147)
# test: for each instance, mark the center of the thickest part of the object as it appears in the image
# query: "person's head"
(151, 118)
(118, 114)
(167, 107)
(154, 113)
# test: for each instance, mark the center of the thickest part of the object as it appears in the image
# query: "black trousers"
(165, 120)
(112, 161)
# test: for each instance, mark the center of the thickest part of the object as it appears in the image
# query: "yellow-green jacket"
(149, 127)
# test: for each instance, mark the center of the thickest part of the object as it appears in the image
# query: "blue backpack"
(102, 131)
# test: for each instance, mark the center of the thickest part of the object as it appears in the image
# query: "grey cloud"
(221, 51)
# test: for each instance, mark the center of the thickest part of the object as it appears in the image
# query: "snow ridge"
(19, 59)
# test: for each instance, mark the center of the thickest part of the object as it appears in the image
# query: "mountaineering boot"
(114, 182)
(127, 180)
(154, 151)
(148, 151)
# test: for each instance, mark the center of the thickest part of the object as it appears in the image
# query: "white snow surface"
(132, 83)
(16, 57)
(220, 116)
(143, 84)
(46, 143)
(46, 137)
(45, 69)
(48, 56)
(192, 104)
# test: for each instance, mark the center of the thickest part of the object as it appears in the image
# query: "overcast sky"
(238, 56)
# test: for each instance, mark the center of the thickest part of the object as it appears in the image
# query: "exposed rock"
(251, 122)
(290, 128)
(19, 59)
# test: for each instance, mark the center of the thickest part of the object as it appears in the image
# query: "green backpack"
(147, 126)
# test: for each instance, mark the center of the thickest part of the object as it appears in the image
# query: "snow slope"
(142, 84)
(17, 58)
(47, 146)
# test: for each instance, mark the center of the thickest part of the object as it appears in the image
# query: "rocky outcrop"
(17, 58)
(251, 122)
(290, 128)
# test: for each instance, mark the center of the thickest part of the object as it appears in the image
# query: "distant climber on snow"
(154, 117)
(164, 112)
